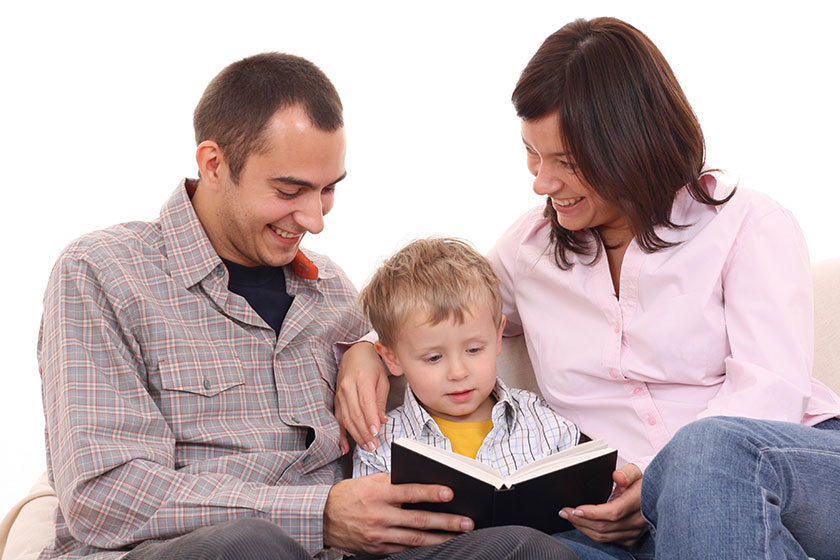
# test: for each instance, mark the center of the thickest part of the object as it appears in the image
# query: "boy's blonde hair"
(442, 276)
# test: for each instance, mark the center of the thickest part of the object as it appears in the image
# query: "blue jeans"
(736, 488)
(587, 549)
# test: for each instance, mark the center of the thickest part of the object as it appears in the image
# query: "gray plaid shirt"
(169, 403)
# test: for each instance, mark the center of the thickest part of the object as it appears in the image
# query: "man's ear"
(499, 335)
(390, 358)
(209, 157)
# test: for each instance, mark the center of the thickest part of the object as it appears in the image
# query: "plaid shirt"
(524, 429)
(169, 403)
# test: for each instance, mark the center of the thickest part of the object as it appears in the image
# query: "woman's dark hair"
(624, 119)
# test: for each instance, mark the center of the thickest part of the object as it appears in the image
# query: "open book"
(532, 495)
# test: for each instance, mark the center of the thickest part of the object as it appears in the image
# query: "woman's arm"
(361, 392)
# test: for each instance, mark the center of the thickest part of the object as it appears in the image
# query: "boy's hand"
(360, 395)
(364, 515)
(620, 519)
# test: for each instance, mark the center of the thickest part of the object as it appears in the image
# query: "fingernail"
(345, 448)
(466, 525)
(374, 430)
(563, 514)
(446, 495)
(369, 447)
(577, 513)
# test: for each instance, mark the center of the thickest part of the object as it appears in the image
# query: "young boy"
(437, 309)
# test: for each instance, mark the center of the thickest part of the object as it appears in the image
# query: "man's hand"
(364, 515)
(361, 391)
(620, 519)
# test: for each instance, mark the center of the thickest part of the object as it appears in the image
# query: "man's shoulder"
(121, 248)
(120, 240)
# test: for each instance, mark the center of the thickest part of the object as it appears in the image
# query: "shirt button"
(637, 390)
(207, 384)
(617, 328)
(651, 420)
(613, 373)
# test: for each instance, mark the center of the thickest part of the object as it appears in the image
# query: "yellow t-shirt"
(466, 437)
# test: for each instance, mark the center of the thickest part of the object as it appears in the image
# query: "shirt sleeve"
(366, 463)
(503, 259)
(112, 453)
(768, 309)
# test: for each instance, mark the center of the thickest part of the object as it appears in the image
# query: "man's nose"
(310, 213)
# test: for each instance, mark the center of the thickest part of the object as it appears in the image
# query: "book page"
(560, 460)
(466, 465)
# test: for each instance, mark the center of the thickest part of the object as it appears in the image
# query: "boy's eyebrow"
(292, 180)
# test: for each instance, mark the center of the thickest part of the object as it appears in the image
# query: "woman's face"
(575, 202)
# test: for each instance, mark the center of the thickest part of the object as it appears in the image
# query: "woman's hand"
(360, 395)
(620, 519)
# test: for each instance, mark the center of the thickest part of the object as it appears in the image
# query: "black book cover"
(535, 502)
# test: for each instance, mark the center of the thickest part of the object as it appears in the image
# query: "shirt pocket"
(205, 370)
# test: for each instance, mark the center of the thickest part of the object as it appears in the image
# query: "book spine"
(504, 507)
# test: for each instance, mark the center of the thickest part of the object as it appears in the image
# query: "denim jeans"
(587, 549)
(737, 488)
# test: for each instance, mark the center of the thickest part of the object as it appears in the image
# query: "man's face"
(283, 192)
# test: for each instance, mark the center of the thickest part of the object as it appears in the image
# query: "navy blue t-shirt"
(264, 288)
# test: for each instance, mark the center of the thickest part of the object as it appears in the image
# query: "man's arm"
(112, 452)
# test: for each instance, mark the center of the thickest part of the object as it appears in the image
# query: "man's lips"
(285, 236)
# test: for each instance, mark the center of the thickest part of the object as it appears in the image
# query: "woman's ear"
(390, 358)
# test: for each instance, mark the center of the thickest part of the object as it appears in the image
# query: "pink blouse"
(721, 324)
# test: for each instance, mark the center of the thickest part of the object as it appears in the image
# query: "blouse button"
(613, 373)
(637, 390)
(651, 420)
(617, 328)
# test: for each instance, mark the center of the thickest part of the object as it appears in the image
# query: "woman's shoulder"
(527, 225)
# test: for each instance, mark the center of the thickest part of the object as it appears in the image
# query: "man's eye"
(287, 195)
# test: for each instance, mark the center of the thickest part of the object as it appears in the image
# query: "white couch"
(28, 527)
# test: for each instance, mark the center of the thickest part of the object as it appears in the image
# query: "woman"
(654, 296)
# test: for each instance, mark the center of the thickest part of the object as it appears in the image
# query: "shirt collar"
(191, 255)
(417, 418)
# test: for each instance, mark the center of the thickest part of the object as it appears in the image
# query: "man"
(187, 365)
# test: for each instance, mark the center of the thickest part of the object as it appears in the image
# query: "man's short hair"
(242, 98)
(442, 276)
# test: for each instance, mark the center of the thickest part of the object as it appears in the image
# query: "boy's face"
(450, 367)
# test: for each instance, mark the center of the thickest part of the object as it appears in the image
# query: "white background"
(97, 102)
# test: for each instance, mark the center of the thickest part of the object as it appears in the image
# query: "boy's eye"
(434, 359)
(474, 350)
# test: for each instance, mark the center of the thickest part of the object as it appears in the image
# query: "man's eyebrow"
(292, 180)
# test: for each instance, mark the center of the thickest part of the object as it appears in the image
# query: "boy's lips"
(461, 396)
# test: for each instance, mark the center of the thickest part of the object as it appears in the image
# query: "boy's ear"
(390, 358)
(499, 335)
